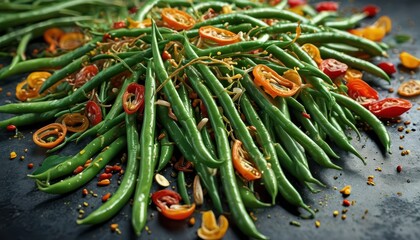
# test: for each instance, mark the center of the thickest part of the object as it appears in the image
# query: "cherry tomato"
(11, 128)
(218, 35)
(410, 88)
(133, 98)
(409, 61)
(167, 202)
(362, 92)
(326, 6)
(85, 74)
(242, 162)
(50, 135)
(120, 24)
(333, 68)
(295, 3)
(371, 10)
(389, 107)
(274, 84)
(388, 67)
(177, 19)
(93, 112)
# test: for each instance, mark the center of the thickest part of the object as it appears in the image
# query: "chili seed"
(13, 155)
(343, 217)
(400, 128)
(191, 221)
(295, 223)
(399, 168)
(85, 192)
(85, 204)
(335, 213)
(317, 223)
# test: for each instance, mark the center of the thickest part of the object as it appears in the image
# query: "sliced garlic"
(161, 180)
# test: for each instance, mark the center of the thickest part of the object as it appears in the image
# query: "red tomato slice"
(93, 113)
(388, 67)
(133, 98)
(389, 107)
(85, 74)
(333, 68)
(362, 92)
(242, 164)
(327, 6)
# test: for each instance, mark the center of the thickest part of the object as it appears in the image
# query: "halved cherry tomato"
(389, 107)
(409, 61)
(93, 112)
(218, 35)
(177, 19)
(374, 33)
(362, 92)
(326, 6)
(371, 10)
(274, 84)
(242, 162)
(388, 67)
(133, 98)
(50, 135)
(313, 52)
(72, 40)
(383, 22)
(167, 202)
(85, 74)
(410, 88)
(333, 68)
(120, 24)
(75, 122)
(295, 3)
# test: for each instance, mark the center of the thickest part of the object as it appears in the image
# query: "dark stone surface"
(388, 210)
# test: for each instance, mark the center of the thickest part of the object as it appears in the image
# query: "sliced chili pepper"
(218, 35)
(93, 112)
(106, 197)
(52, 37)
(210, 229)
(133, 98)
(183, 165)
(333, 68)
(167, 202)
(78, 170)
(371, 10)
(274, 84)
(326, 6)
(85, 74)
(410, 88)
(409, 61)
(242, 162)
(313, 52)
(120, 24)
(388, 67)
(362, 92)
(72, 40)
(29, 88)
(75, 122)
(50, 135)
(389, 107)
(177, 19)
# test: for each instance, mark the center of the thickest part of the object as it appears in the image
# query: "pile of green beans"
(276, 132)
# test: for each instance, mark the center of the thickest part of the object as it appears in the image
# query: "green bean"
(346, 23)
(182, 188)
(183, 94)
(147, 149)
(184, 118)
(366, 45)
(204, 6)
(126, 188)
(341, 117)
(231, 18)
(338, 138)
(349, 50)
(38, 28)
(322, 16)
(275, 13)
(70, 184)
(239, 127)
(286, 189)
(145, 9)
(28, 118)
(51, 62)
(166, 151)
(315, 151)
(285, 28)
(80, 158)
(177, 135)
(354, 62)
(366, 116)
(79, 94)
(20, 52)
(248, 197)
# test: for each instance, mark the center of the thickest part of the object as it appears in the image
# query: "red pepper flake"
(106, 197)
(11, 128)
(78, 170)
(104, 182)
(166, 55)
(399, 168)
(87, 163)
(306, 115)
(105, 176)
(108, 169)
(116, 168)
(346, 203)
(30, 165)
(85, 192)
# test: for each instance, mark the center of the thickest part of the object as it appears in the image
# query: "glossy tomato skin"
(362, 92)
(389, 107)
(93, 112)
(371, 10)
(295, 3)
(133, 98)
(333, 68)
(85, 74)
(388, 67)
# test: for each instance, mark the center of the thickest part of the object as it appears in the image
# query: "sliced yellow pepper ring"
(36, 79)
(352, 74)
(409, 61)
(209, 229)
(313, 52)
(383, 22)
